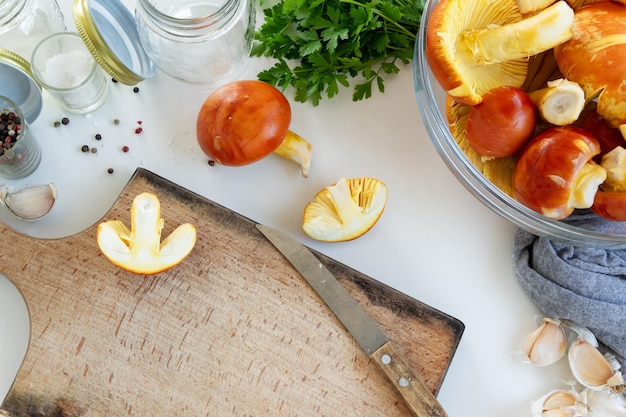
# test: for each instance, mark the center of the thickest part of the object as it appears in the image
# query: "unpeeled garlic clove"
(605, 404)
(559, 403)
(546, 344)
(581, 331)
(31, 203)
(592, 369)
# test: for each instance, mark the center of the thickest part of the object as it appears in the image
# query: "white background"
(434, 242)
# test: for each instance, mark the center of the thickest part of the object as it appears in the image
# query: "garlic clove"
(560, 398)
(592, 369)
(546, 344)
(581, 331)
(31, 203)
(559, 403)
(559, 412)
(605, 404)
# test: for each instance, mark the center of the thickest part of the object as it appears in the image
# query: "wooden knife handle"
(416, 395)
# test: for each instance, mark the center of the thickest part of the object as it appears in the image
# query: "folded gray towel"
(585, 285)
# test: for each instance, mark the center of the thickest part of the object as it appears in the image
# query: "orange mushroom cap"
(595, 57)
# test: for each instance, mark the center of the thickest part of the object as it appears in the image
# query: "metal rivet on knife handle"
(416, 395)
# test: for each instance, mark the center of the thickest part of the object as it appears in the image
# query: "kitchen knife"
(361, 326)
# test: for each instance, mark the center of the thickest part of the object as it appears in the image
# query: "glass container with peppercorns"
(20, 153)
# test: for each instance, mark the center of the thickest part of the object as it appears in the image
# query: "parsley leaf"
(320, 45)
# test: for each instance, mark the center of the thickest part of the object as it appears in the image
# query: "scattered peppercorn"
(116, 121)
(94, 150)
(114, 80)
(125, 148)
(110, 170)
(57, 123)
(136, 89)
(138, 130)
(211, 162)
(65, 121)
(84, 148)
(98, 136)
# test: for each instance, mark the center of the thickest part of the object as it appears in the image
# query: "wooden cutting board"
(233, 330)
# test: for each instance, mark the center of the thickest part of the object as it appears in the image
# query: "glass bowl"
(431, 102)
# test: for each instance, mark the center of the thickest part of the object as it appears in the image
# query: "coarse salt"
(68, 69)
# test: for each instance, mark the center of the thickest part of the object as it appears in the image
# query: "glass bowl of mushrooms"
(527, 118)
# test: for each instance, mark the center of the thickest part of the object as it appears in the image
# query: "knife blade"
(359, 324)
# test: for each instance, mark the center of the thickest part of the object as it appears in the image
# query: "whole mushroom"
(555, 173)
(595, 57)
(244, 121)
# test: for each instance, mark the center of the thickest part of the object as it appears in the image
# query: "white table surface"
(434, 242)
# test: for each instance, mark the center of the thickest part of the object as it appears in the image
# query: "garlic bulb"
(546, 344)
(592, 369)
(30, 203)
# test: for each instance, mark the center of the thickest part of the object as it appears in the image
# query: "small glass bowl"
(431, 102)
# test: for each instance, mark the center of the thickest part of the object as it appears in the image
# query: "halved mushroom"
(595, 57)
(345, 210)
(140, 250)
(555, 172)
(473, 46)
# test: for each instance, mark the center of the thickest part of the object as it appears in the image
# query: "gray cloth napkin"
(585, 285)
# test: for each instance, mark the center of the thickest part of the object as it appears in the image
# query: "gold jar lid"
(18, 84)
(109, 31)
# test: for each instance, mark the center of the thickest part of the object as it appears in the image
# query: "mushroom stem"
(560, 103)
(295, 148)
(527, 37)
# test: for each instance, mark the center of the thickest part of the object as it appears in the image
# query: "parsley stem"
(384, 16)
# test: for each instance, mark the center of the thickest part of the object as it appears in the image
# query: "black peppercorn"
(98, 136)
(136, 89)
(65, 120)
(84, 148)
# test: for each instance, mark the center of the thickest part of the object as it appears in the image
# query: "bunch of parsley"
(320, 45)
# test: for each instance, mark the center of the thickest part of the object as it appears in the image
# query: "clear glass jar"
(23, 23)
(197, 41)
(62, 64)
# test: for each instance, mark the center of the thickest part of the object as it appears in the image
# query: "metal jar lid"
(109, 31)
(18, 84)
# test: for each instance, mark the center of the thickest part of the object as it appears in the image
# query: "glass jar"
(20, 153)
(197, 41)
(62, 64)
(23, 23)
